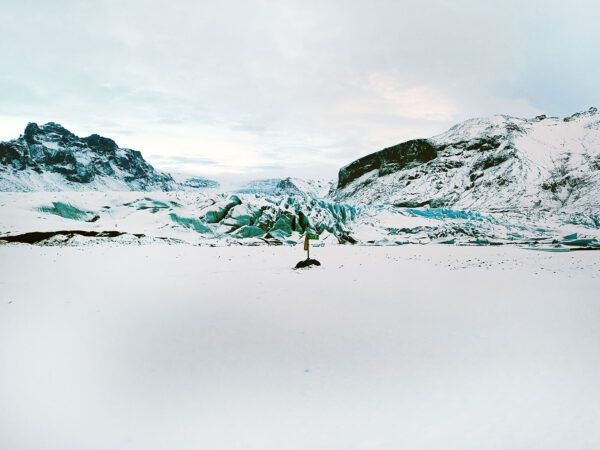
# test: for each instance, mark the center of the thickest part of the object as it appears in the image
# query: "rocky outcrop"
(495, 164)
(389, 160)
(50, 157)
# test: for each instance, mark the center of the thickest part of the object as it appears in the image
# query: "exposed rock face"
(389, 160)
(49, 157)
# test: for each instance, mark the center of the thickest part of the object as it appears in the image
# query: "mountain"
(199, 183)
(266, 186)
(495, 164)
(299, 186)
(289, 186)
(51, 158)
(193, 182)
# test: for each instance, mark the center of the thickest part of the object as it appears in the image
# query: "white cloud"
(411, 102)
(302, 85)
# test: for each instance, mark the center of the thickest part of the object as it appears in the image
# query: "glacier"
(485, 181)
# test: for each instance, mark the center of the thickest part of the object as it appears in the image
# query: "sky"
(258, 89)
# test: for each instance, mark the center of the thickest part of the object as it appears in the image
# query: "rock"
(307, 263)
(388, 160)
(493, 164)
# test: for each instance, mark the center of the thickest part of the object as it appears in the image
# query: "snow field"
(182, 347)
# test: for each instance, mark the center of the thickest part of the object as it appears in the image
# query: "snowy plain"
(192, 347)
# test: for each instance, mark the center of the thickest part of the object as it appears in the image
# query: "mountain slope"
(500, 163)
(51, 158)
(192, 182)
(289, 186)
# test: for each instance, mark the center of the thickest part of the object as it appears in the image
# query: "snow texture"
(185, 347)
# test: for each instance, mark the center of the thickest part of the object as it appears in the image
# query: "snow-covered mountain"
(265, 186)
(191, 182)
(496, 164)
(318, 188)
(51, 158)
(287, 186)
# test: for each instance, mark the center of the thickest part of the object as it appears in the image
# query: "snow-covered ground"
(407, 347)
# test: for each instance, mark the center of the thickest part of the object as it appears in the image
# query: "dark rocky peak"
(588, 113)
(49, 132)
(31, 131)
(101, 144)
(71, 162)
(287, 185)
(56, 128)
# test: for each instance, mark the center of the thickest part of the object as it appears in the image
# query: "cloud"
(411, 102)
(303, 86)
(178, 160)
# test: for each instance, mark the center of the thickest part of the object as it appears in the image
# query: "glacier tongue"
(186, 216)
(251, 219)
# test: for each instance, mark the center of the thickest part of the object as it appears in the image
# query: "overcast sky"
(272, 88)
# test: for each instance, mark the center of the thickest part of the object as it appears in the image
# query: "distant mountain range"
(495, 164)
